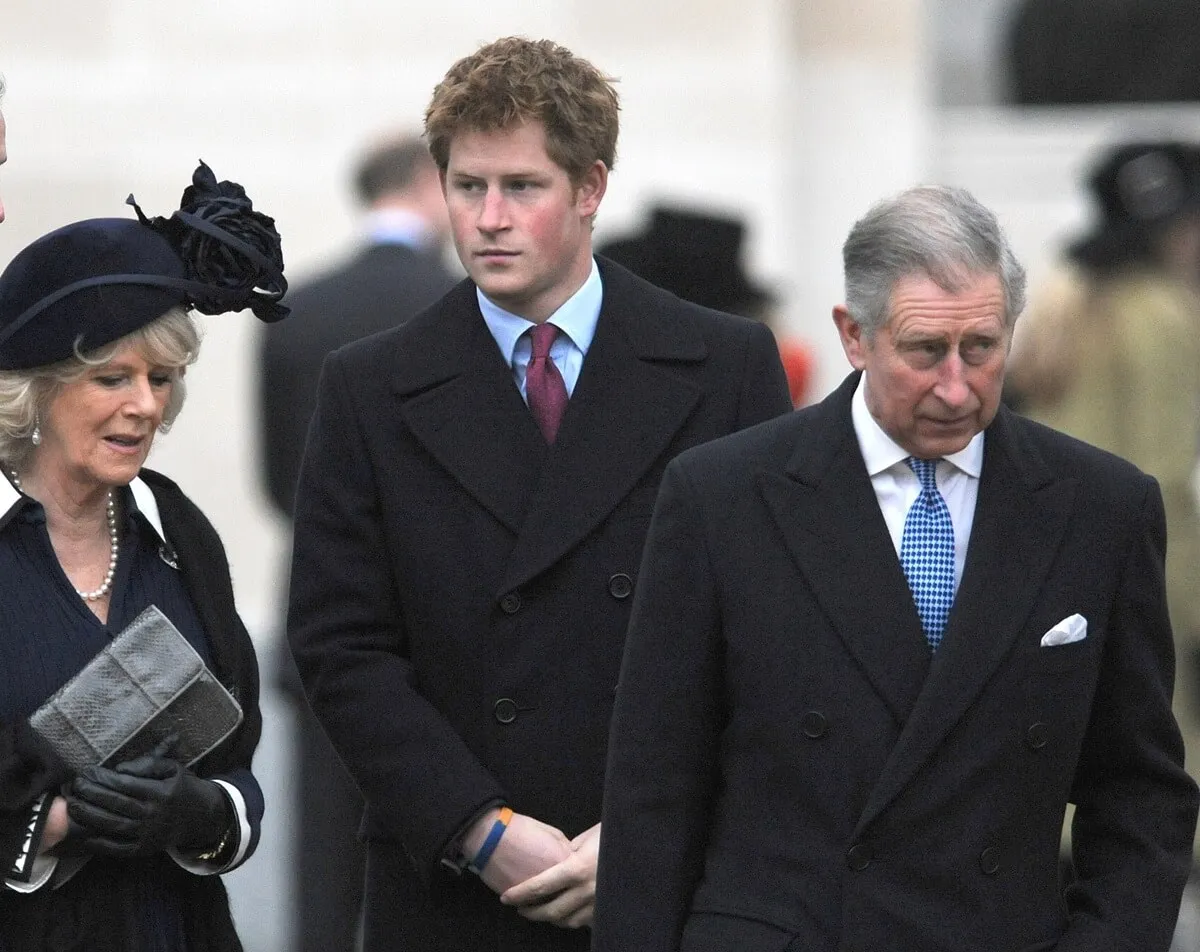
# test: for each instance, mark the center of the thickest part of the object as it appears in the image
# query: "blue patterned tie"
(927, 552)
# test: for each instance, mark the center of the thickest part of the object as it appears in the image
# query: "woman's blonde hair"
(172, 341)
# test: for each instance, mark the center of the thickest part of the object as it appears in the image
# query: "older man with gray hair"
(879, 645)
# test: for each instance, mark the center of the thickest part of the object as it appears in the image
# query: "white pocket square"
(1067, 631)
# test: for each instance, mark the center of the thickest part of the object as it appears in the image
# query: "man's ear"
(854, 342)
(591, 189)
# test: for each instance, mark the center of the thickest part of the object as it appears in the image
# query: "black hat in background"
(1140, 189)
(694, 255)
(92, 282)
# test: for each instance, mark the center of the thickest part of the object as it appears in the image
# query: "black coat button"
(505, 710)
(1037, 735)
(510, 604)
(620, 586)
(989, 861)
(859, 857)
(814, 724)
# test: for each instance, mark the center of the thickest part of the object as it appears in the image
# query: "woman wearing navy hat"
(95, 337)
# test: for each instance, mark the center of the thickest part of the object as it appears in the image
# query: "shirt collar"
(398, 226)
(881, 452)
(577, 317)
(143, 502)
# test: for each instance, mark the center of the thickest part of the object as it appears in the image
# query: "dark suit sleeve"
(1135, 805)
(664, 737)
(347, 632)
(765, 393)
(28, 769)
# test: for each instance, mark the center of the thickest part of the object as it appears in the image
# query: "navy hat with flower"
(91, 282)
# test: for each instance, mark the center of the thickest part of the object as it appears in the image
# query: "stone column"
(857, 115)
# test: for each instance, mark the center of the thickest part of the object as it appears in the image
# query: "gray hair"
(940, 232)
(172, 341)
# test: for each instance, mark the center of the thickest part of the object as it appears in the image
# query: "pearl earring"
(36, 436)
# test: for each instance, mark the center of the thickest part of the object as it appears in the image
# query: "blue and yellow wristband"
(491, 842)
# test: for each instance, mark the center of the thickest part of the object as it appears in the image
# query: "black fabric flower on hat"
(233, 252)
(92, 282)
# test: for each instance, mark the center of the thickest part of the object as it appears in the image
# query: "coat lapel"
(1020, 516)
(828, 513)
(621, 418)
(459, 400)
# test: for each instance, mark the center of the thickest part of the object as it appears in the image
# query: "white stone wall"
(971, 40)
(856, 118)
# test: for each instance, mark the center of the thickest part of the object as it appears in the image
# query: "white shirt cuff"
(33, 871)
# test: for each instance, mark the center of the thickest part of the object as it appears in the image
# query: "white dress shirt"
(897, 487)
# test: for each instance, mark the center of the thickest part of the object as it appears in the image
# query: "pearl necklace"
(113, 543)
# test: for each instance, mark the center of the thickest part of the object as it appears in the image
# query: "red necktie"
(544, 387)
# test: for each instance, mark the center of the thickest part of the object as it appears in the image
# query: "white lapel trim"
(147, 505)
(9, 497)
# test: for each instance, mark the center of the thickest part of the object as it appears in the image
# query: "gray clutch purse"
(147, 684)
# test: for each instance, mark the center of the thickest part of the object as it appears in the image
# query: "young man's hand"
(527, 848)
(564, 894)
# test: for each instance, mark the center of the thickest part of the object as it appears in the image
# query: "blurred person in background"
(1109, 352)
(95, 338)
(396, 273)
(471, 511)
(696, 255)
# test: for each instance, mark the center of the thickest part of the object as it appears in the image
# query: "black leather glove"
(75, 842)
(145, 806)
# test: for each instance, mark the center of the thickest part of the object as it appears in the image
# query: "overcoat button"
(859, 857)
(989, 861)
(505, 710)
(620, 586)
(1036, 736)
(814, 724)
(510, 604)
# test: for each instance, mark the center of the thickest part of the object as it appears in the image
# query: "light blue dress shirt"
(396, 226)
(576, 320)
